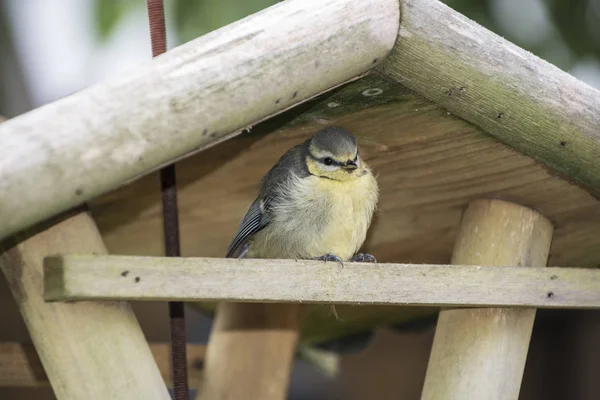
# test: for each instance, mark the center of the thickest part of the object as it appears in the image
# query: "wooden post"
(89, 350)
(480, 353)
(250, 351)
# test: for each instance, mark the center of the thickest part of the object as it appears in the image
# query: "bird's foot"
(330, 257)
(360, 257)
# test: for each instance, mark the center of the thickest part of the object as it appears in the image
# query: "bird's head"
(333, 154)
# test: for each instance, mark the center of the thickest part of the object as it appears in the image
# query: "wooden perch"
(194, 96)
(79, 277)
(20, 365)
(511, 94)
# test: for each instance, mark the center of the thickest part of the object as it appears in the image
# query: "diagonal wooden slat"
(88, 277)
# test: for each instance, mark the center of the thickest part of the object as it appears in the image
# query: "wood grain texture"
(511, 94)
(429, 164)
(480, 353)
(253, 345)
(69, 278)
(88, 350)
(20, 365)
(185, 101)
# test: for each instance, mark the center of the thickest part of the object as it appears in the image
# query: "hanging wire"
(158, 37)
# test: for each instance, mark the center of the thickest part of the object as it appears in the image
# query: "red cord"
(158, 31)
(158, 37)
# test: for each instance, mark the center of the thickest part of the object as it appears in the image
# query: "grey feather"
(293, 161)
(253, 221)
(257, 216)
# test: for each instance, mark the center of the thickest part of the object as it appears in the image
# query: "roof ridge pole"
(480, 353)
(184, 101)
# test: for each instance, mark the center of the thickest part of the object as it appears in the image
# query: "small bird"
(316, 202)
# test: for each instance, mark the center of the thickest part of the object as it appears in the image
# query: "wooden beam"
(185, 101)
(480, 353)
(20, 365)
(253, 345)
(89, 350)
(511, 94)
(80, 277)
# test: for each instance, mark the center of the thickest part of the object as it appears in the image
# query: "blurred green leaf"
(572, 19)
(108, 13)
(194, 18)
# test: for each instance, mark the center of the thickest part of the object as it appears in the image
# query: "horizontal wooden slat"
(21, 367)
(81, 277)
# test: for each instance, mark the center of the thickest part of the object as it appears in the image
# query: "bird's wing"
(256, 218)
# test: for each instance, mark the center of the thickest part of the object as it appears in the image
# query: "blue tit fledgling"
(316, 202)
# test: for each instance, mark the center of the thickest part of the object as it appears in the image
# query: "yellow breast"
(319, 216)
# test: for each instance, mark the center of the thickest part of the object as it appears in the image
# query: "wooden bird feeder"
(488, 159)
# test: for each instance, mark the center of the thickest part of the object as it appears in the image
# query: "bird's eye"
(327, 161)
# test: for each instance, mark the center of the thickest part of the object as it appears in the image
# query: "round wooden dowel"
(194, 96)
(480, 353)
(251, 351)
(89, 350)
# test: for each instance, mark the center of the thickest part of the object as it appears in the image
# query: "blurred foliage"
(574, 33)
(573, 26)
(579, 24)
(189, 18)
(15, 97)
(108, 14)
(196, 17)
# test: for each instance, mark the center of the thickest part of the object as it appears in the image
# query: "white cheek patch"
(329, 168)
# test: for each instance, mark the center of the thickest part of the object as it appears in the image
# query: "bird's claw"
(360, 257)
(330, 257)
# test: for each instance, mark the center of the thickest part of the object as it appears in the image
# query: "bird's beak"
(350, 166)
